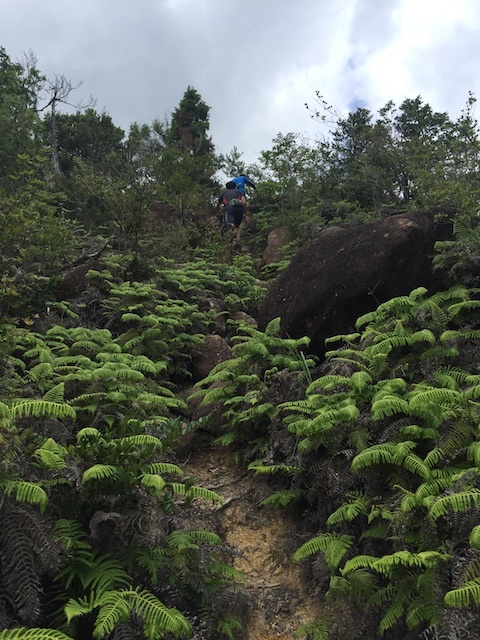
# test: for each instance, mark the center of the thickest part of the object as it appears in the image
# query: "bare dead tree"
(58, 91)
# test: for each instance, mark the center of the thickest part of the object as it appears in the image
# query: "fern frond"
(106, 573)
(357, 505)
(389, 405)
(378, 532)
(195, 493)
(430, 489)
(464, 596)
(22, 633)
(319, 629)
(55, 394)
(420, 611)
(154, 482)
(434, 457)
(280, 498)
(164, 467)
(192, 493)
(70, 534)
(377, 454)
(259, 410)
(358, 562)
(217, 394)
(436, 396)
(76, 608)
(225, 440)
(24, 491)
(41, 408)
(359, 380)
(424, 335)
(382, 595)
(474, 539)
(158, 619)
(182, 539)
(41, 372)
(458, 502)
(425, 559)
(358, 584)
(100, 472)
(334, 546)
(88, 433)
(391, 617)
(416, 465)
(271, 469)
(140, 440)
(51, 455)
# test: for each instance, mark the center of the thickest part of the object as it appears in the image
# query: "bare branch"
(59, 90)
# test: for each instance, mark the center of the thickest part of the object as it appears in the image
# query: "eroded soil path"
(264, 539)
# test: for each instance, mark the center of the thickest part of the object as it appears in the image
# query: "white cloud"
(430, 53)
(255, 63)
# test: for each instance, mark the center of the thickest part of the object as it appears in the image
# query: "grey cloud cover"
(255, 62)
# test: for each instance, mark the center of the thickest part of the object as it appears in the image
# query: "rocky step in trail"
(263, 538)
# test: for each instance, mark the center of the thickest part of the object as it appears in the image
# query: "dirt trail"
(264, 539)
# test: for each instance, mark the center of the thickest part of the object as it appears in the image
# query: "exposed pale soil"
(264, 539)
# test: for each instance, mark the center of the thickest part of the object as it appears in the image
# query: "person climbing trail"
(243, 181)
(235, 206)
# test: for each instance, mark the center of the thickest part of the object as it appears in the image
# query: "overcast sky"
(256, 62)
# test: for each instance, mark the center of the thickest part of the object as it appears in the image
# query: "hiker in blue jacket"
(242, 181)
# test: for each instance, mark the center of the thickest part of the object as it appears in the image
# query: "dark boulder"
(345, 273)
(208, 354)
(74, 282)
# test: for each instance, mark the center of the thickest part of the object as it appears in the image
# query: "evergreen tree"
(190, 124)
(19, 122)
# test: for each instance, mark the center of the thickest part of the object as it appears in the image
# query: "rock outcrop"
(74, 281)
(276, 240)
(345, 273)
(207, 355)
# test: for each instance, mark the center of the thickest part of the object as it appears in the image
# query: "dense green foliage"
(376, 446)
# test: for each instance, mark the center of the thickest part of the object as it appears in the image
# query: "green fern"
(99, 472)
(376, 454)
(333, 546)
(194, 492)
(154, 482)
(474, 538)
(319, 629)
(466, 595)
(182, 539)
(164, 467)
(424, 559)
(271, 469)
(389, 405)
(225, 440)
(422, 612)
(139, 441)
(24, 491)
(357, 504)
(70, 534)
(361, 585)
(393, 614)
(41, 408)
(118, 606)
(281, 498)
(457, 502)
(22, 633)
(228, 626)
(51, 455)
